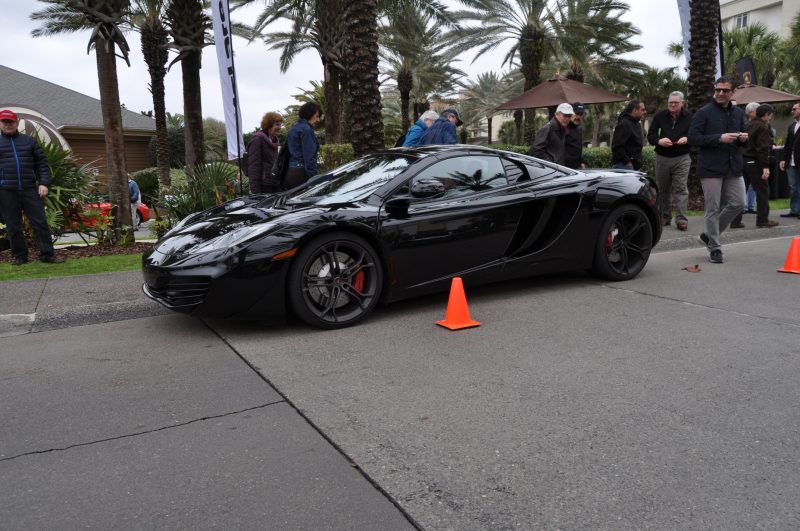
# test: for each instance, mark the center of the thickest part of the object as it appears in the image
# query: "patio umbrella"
(560, 90)
(748, 93)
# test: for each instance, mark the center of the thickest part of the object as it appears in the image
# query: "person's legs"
(34, 209)
(680, 186)
(737, 220)
(712, 190)
(793, 176)
(761, 189)
(11, 207)
(664, 182)
(751, 199)
(731, 201)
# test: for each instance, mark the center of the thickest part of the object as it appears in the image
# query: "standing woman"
(756, 154)
(261, 153)
(303, 147)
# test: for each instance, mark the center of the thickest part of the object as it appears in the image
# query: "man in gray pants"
(669, 134)
(717, 130)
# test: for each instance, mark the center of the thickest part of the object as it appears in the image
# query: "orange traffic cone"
(457, 316)
(792, 264)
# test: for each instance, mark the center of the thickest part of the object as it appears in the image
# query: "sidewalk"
(48, 304)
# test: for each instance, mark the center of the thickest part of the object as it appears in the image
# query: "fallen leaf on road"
(693, 269)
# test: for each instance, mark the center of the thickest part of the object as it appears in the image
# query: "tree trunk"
(531, 55)
(489, 120)
(518, 115)
(333, 101)
(405, 83)
(154, 50)
(193, 109)
(362, 62)
(115, 142)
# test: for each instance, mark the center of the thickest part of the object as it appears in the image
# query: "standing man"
(791, 158)
(24, 178)
(573, 142)
(669, 134)
(756, 154)
(303, 146)
(628, 140)
(443, 130)
(549, 143)
(716, 129)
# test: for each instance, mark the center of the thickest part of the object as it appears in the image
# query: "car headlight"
(234, 238)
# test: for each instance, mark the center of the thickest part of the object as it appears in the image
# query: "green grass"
(81, 266)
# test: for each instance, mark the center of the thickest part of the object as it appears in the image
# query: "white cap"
(565, 108)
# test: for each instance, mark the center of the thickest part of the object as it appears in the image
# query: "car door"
(467, 228)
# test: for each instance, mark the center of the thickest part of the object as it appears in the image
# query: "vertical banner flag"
(684, 10)
(223, 39)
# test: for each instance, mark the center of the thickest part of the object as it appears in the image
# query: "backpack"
(281, 164)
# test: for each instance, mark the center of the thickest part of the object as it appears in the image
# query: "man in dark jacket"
(24, 178)
(443, 130)
(550, 139)
(791, 162)
(716, 129)
(573, 141)
(669, 134)
(628, 140)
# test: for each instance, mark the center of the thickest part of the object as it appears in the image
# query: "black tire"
(624, 244)
(335, 280)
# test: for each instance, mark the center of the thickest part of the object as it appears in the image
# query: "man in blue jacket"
(443, 130)
(24, 178)
(717, 130)
(416, 131)
(303, 146)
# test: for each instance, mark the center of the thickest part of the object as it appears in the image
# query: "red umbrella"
(749, 93)
(560, 90)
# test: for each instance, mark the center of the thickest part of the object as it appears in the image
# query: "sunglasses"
(8, 122)
(724, 91)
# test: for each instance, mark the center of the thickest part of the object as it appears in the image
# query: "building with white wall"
(776, 15)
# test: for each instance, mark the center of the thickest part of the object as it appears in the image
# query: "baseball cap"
(566, 109)
(579, 108)
(7, 114)
(454, 112)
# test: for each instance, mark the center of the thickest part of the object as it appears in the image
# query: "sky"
(63, 60)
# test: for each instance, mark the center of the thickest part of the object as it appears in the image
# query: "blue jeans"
(793, 175)
(12, 204)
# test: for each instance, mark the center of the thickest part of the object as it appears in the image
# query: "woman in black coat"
(261, 153)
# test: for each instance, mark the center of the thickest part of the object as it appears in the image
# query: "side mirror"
(425, 188)
(397, 207)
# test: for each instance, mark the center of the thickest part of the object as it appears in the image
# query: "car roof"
(423, 151)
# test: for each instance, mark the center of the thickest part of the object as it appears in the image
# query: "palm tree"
(703, 24)
(104, 17)
(147, 17)
(484, 95)
(366, 124)
(188, 26)
(538, 28)
(759, 44)
(655, 85)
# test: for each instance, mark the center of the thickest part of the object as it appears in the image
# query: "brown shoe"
(768, 224)
(736, 225)
(682, 224)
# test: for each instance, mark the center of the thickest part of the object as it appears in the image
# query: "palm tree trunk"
(193, 109)
(362, 62)
(115, 142)
(532, 55)
(333, 101)
(702, 51)
(154, 49)
(489, 120)
(405, 82)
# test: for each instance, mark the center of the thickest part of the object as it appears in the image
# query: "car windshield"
(354, 181)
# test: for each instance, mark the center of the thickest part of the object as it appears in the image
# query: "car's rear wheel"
(335, 280)
(624, 244)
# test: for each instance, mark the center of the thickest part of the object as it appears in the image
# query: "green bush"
(205, 186)
(597, 157)
(332, 156)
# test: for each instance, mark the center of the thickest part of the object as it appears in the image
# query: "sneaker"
(715, 257)
(682, 224)
(703, 238)
(768, 224)
(749, 211)
(737, 225)
(18, 260)
(790, 215)
(51, 259)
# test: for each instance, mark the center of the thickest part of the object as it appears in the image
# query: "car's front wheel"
(335, 280)
(624, 244)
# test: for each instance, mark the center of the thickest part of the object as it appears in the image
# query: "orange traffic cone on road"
(792, 264)
(457, 315)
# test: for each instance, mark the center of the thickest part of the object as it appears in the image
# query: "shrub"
(332, 156)
(205, 186)
(147, 179)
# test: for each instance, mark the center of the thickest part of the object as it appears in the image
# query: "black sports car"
(398, 224)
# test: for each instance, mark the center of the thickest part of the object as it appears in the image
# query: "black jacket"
(792, 145)
(22, 163)
(549, 143)
(664, 127)
(261, 153)
(573, 146)
(627, 142)
(715, 159)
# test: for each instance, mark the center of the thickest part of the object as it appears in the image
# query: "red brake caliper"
(358, 282)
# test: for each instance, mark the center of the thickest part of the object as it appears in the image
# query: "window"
(740, 21)
(468, 174)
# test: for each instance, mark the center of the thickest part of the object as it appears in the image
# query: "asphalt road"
(666, 402)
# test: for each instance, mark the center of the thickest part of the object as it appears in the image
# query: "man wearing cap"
(573, 142)
(628, 140)
(669, 133)
(550, 139)
(24, 178)
(443, 130)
